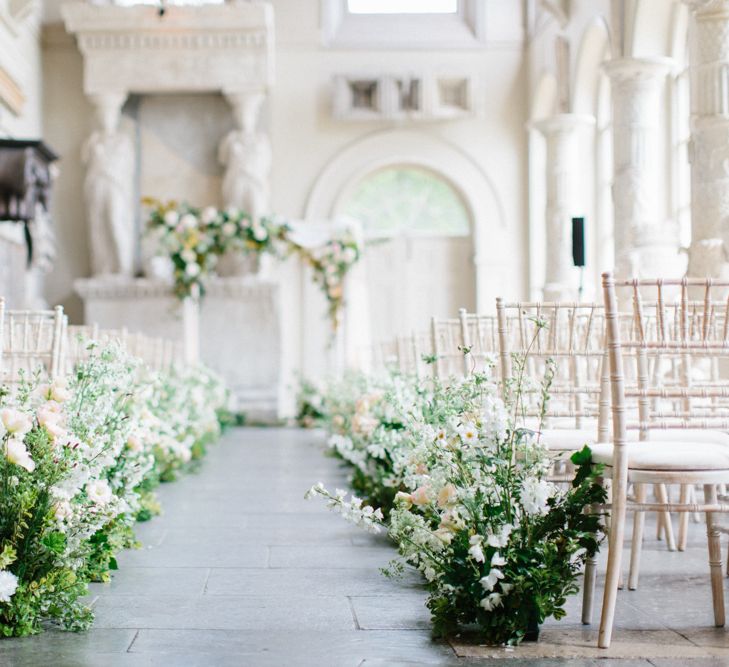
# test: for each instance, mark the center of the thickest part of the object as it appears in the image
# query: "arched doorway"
(419, 256)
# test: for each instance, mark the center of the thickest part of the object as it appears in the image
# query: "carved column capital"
(638, 72)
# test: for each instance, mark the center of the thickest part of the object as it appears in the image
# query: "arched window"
(419, 257)
(408, 200)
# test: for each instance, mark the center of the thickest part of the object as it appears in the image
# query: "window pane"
(402, 6)
(408, 200)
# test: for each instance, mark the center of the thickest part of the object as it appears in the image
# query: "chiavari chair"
(649, 405)
(31, 342)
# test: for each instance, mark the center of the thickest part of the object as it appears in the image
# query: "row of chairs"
(642, 378)
(42, 341)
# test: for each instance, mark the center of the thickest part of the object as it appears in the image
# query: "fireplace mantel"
(224, 48)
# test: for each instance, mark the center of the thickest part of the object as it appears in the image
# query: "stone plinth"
(239, 329)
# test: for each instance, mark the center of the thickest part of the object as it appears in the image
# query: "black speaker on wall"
(578, 241)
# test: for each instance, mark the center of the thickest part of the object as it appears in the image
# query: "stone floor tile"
(154, 581)
(319, 556)
(391, 612)
(309, 582)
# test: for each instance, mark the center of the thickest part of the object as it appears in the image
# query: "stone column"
(562, 133)
(645, 243)
(709, 148)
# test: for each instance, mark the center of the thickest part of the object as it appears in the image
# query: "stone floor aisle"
(240, 570)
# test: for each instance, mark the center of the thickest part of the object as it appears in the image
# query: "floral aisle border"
(462, 488)
(195, 239)
(82, 457)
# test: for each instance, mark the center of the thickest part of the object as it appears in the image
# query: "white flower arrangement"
(462, 491)
(80, 457)
(194, 239)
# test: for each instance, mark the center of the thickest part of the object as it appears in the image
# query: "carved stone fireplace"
(224, 50)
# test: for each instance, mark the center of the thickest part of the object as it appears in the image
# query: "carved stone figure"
(108, 155)
(246, 154)
(247, 158)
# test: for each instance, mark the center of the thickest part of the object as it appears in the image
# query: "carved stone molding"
(561, 133)
(226, 47)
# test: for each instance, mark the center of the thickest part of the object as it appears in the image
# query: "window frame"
(465, 29)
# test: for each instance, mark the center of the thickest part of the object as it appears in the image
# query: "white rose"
(259, 233)
(228, 229)
(16, 422)
(171, 218)
(188, 221)
(17, 454)
(192, 270)
(99, 491)
(8, 585)
(189, 255)
(209, 214)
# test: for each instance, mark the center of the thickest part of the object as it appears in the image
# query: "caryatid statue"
(108, 190)
(246, 155)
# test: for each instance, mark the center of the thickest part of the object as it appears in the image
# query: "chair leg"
(662, 495)
(588, 590)
(637, 544)
(717, 579)
(612, 575)
(683, 519)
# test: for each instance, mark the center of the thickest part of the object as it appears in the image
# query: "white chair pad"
(667, 455)
(572, 439)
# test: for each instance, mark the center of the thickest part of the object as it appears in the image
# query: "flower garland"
(462, 489)
(79, 459)
(194, 239)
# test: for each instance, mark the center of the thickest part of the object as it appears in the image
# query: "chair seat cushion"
(667, 455)
(572, 439)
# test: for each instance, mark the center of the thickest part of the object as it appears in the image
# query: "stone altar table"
(239, 329)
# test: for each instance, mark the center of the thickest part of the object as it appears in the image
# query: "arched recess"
(652, 28)
(544, 99)
(594, 49)
(337, 181)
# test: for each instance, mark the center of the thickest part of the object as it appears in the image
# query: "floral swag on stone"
(195, 239)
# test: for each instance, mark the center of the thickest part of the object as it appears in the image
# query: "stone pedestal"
(709, 148)
(239, 329)
(645, 244)
(561, 133)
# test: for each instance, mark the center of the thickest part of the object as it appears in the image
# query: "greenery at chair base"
(465, 495)
(544, 559)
